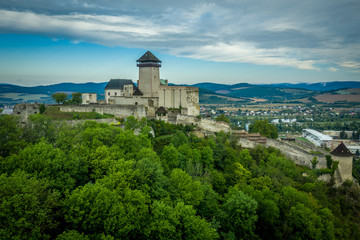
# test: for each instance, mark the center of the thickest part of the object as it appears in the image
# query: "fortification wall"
(24, 110)
(344, 170)
(297, 154)
(204, 124)
(309, 146)
(105, 120)
(304, 158)
(180, 96)
(122, 111)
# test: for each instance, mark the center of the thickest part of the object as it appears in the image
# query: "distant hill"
(213, 93)
(245, 90)
(50, 89)
(320, 86)
(11, 94)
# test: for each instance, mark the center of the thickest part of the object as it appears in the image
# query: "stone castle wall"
(309, 146)
(304, 158)
(344, 170)
(104, 120)
(180, 96)
(298, 155)
(122, 111)
(24, 110)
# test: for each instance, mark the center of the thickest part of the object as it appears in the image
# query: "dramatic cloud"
(311, 35)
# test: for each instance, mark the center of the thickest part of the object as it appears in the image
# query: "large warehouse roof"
(319, 135)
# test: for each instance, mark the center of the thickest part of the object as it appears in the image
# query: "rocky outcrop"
(207, 125)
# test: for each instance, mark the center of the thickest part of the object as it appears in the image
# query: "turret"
(345, 158)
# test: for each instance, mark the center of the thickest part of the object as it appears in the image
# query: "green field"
(303, 139)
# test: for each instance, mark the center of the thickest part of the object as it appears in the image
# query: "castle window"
(115, 93)
(108, 93)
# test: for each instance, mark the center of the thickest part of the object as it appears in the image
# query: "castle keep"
(152, 92)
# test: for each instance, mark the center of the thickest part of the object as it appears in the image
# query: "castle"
(151, 92)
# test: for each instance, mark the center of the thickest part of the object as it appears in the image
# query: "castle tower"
(345, 158)
(149, 76)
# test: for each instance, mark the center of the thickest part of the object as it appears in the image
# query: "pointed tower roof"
(161, 110)
(148, 57)
(341, 151)
(137, 92)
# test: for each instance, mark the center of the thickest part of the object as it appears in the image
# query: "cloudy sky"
(229, 41)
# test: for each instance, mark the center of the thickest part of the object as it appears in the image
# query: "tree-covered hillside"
(96, 181)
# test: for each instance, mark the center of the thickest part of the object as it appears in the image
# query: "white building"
(88, 98)
(316, 137)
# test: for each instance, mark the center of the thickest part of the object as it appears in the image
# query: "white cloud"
(99, 27)
(332, 69)
(350, 64)
(246, 53)
(280, 33)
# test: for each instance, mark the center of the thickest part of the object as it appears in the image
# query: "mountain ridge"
(209, 92)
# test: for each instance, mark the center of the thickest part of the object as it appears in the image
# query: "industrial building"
(317, 138)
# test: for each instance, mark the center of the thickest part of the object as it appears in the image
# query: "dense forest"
(98, 181)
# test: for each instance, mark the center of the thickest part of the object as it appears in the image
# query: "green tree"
(179, 222)
(265, 128)
(314, 162)
(207, 157)
(76, 98)
(169, 158)
(44, 161)
(11, 135)
(303, 223)
(72, 235)
(343, 135)
(59, 97)
(238, 215)
(28, 208)
(100, 208)
(222, 118)
(40, 126)
(179, 138)
(131, 123)
(185, 188)
(329, 161)
(42, 108)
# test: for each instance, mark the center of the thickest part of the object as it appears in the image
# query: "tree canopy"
(222, 118)
(59, 97)
(265, 128)
(76, 98)
(97, 181)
